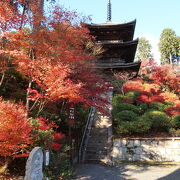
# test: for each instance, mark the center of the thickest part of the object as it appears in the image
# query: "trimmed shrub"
(158, 106)
(142, 108)
(117, 99)
(125, 115)
(133, 127)
(125, 128)
(174, 132)
(176, 121)
(132, 94)
(125, 106)
(160, 121)
(141, 126)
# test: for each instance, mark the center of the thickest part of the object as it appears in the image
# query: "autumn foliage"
(150, 104)
(14, 130)
(44, 134)
(162, 85)
(57, 60)
(54, 53)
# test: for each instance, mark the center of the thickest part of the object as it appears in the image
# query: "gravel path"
(127, 172)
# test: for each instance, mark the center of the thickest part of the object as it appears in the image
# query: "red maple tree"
(14, 129)
(56, 59)
(52, 53)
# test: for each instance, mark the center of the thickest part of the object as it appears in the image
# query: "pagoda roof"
(118, 52)
(112, 25)
(112, 31)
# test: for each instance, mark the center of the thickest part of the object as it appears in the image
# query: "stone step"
(98, 130)
(102, 137)
(95, 156)
(97, 148)
(99, 141)
(99, 137)
(94, 152)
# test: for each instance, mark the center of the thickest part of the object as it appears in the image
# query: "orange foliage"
(14, 129)
(169, 97)
(173, 110)
(147, 66)
(55, 58)
(168, 76)
(163, 85)
(133, 86)
(10, 16)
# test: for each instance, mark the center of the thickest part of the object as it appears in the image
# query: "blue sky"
(152, 15)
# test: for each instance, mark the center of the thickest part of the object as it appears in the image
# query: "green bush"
(130, 119)
(176, 121)
(125, 106)
(174, 132)
(42, 134)
(160, 121)
(125, 115)
(117, 99)
(157, 106)
(142, 108)
(125, 128)
(141, 126)
(133, 127)
(132, 94)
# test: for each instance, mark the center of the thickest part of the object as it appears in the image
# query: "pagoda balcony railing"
(111, 60)
(109, 41)
(133, 65)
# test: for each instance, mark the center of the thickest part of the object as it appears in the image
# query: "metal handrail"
(85, 137)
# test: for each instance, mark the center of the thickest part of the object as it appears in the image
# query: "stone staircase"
(99, 143)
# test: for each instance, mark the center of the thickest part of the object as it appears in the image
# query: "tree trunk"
(2, 78)
(170, 58)
(27, 99)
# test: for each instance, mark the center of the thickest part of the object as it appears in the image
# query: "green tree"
(169, 45)
(143, 49)
(178, 46)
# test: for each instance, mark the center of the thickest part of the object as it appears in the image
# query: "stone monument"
(34, 165)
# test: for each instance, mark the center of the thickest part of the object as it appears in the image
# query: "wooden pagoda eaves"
(113, 31)
(117, 52)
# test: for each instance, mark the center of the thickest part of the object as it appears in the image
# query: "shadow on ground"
(127, 172)
(173, 176)
(98, 172)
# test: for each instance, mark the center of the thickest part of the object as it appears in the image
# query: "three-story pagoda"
(119, 48)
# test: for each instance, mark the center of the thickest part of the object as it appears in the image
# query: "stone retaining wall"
(146, 149)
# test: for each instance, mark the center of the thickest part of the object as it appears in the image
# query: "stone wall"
(146, 149)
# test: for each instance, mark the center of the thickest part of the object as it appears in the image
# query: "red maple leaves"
(14, 129)
(162, 86)
(51, 54)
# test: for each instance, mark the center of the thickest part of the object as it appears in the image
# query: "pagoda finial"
(109, 11)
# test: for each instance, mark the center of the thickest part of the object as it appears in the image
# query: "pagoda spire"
(109, 11)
